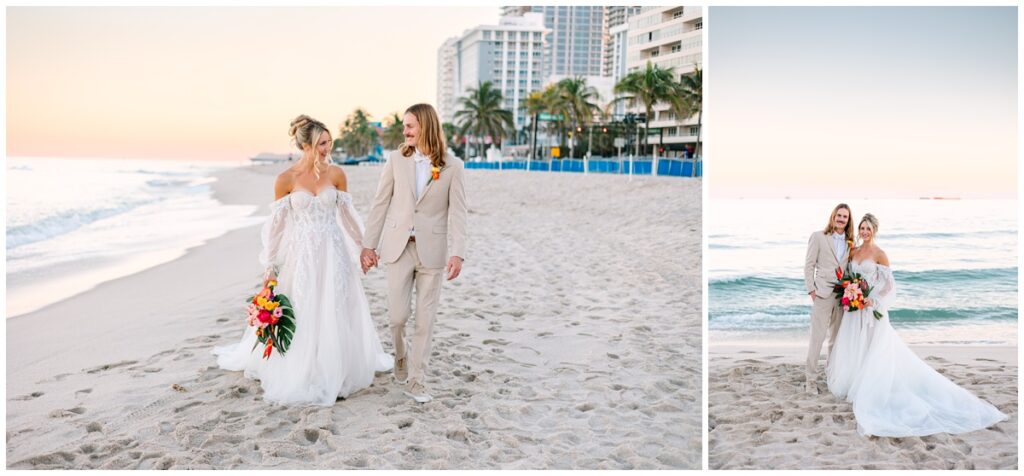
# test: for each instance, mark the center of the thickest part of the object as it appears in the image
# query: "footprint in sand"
(111, 366)
(29, 396)
(62, 413)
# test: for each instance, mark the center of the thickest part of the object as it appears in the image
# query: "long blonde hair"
(849, 223)
(431, 140)
(305, 130)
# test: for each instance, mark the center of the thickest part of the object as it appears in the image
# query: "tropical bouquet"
(274, 319)
(852, 291)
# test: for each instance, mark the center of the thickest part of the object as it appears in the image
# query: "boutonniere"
(435, 173)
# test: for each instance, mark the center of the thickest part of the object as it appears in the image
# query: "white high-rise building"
(616, 65)
(576, 43)
(615, 21)
(508, 55)
(446, 92)
(669, 37)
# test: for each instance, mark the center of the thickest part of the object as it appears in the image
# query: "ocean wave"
(783, 317)
(168, 173)
(955, 275)
(950, 234)
(903, 278)
(66, 222)
(167, 183)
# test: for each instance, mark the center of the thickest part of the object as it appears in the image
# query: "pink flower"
(264, 317)
(278, 312)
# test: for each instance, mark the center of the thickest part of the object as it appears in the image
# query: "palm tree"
(578, 100)
(534, 106)
(647, 87)
(690, 101)
(553, 102)
(357, 135)
(481, 113)
(393, 134)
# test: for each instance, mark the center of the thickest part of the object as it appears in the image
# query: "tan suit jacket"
(438, 214)
(821, 263)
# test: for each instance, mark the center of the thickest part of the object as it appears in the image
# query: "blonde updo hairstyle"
(305, 131)
(871, 221)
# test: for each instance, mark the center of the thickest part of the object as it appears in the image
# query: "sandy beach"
(760, 417)
(571, 340)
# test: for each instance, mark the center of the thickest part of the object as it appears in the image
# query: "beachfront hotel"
(576, 43)
(616, 20)
(509, 55)
(669, 37)
(614, 66)
(446, 94)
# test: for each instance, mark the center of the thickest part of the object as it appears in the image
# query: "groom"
(420, 203)
(826, 251)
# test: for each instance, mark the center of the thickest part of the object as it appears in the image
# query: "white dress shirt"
(839, 243)
(422, 177)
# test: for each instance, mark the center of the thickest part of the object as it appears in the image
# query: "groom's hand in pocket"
(454, 267)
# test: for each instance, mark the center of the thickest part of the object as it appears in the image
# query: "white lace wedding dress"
(314, 240)
(893, 392)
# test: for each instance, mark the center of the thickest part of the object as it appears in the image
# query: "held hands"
(368, 259)
(454, 267)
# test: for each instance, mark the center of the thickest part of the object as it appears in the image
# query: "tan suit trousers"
(403, 275)
(826, 314)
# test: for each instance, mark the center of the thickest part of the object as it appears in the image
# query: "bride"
(311, 244)
(894, 393)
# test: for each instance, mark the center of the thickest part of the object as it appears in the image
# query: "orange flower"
(435, 173)
(270, 346)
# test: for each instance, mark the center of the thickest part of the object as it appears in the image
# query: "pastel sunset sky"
(866, 102)
(212, 83)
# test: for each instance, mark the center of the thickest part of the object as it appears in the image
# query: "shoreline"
(41, 288)
(538, 364)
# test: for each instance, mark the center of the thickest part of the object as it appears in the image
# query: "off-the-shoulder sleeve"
(273, 234)
(349, 221)
(883, 288)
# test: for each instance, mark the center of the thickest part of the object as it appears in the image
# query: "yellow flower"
(271, 283)
(271, 305)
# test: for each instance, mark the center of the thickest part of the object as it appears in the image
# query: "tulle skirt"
(894, 393)
(335, 350)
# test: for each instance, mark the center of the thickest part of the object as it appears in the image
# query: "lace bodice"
(301, 217)
(315, 213)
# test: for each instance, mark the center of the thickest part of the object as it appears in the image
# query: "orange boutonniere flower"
(435, 173)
